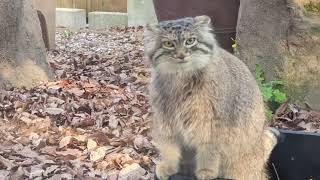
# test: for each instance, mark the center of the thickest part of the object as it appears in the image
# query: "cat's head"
(180, 45)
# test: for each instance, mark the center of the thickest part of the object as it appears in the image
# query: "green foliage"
(67, 33)
(272, 92)
(313, 7)
(235, 47)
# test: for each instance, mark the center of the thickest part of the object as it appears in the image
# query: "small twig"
(284, 118)
(308, 107)
(275, 170)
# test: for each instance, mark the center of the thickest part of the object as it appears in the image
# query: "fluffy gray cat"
(206, 99)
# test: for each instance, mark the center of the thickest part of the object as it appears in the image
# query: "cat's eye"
(168, 44)
(190, 41)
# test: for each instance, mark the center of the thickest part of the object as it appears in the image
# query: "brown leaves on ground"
(92, 123)
(291, 117)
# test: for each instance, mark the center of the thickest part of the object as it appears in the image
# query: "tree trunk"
(284, 39)
(22, 51)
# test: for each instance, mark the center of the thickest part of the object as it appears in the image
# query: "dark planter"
(224, 14)
(296, 157)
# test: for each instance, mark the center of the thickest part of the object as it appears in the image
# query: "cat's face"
(180, 45)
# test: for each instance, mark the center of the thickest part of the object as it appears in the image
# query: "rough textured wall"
(285, 40)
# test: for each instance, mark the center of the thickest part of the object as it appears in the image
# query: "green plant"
(313, 7)
(272, 92)
(235, 47)
(67, 33)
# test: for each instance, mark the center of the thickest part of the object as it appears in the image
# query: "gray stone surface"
(71, 18)
(141, 12)
(99, 20)
(285, 42)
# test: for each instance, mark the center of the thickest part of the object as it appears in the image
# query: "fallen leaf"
(4, 175)
(141, 142)
(36, 171)
(113, 122)
(7, 163)
(98, 154)
(91, 144)
(65, 141)
(54, 111)
(73, 153)
(76, 91)
(81, 138)
(50, 170)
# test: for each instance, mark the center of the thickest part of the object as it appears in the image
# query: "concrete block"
(141, 12)
(100, 20)
(71, 18)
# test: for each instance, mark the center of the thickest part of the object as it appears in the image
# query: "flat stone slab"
(141, 12)
(71, 18)
(100, 20)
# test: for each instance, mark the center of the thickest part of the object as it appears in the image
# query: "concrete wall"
(141, 12)
(95, 5)
(99, 20)
(71, 18)
(48, 8)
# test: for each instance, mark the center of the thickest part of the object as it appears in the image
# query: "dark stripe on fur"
(210, 46)
(195, 48)
(159, 55)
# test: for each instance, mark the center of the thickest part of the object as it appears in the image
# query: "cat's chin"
(180, 67)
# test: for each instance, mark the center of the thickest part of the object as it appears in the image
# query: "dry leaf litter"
(92, 122)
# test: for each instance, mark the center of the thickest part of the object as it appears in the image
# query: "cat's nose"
(180, 55)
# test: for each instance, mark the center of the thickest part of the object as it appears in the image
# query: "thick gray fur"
(206, 99)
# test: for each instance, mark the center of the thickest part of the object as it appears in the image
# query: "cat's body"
(210, 103)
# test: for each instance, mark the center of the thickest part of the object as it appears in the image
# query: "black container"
(296, 157)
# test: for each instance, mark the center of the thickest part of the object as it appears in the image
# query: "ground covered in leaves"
(292, 117)
(93, 121)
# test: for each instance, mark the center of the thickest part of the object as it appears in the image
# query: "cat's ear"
(203, 20)
(153, 28)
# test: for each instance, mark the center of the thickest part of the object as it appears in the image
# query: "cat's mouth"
(182, 62)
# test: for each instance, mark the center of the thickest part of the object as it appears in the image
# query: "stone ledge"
(71, 18)
(141, 12)
(100, 20)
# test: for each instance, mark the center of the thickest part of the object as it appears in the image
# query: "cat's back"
(234, 64)
(234, 71)
(235, 88)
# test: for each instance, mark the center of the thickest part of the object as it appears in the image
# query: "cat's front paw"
(206, 174)
(165, 170)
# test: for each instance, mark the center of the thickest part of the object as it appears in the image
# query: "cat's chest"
(184, 105)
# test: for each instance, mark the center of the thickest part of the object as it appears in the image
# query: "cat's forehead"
(176, 26)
